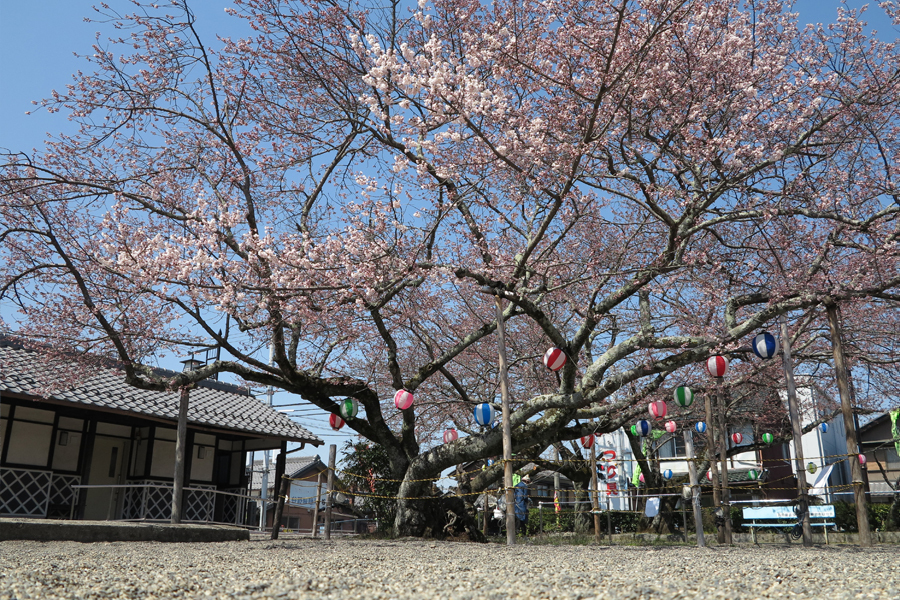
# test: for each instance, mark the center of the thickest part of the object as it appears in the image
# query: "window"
(673, 447)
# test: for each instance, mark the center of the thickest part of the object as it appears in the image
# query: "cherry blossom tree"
(641, 183)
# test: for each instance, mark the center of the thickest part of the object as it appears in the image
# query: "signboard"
(607, 471)
(787, 512)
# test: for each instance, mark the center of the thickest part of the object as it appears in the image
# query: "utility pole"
(180, 445)
(796, 430)
(332, 456)
(264, 492)
(856, 474)
(712, 446)
(723, 436)
(315, 515)
(695, 489)
(507, 429)
(596, 488)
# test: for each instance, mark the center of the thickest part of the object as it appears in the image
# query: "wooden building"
(102, 432)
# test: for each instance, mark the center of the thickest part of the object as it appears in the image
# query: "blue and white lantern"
(667, 474)
(700, 427)
(485, 413)
(764, 345)
(824, 427)
(643, 427)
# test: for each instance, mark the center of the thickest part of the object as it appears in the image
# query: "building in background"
(99, 431)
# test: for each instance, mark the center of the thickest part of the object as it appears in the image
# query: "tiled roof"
(212, 403)
(292, 466)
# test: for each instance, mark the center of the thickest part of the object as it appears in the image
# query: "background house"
(100, 431)
(880, 442)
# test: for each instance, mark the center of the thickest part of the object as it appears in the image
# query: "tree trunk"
(582, 520)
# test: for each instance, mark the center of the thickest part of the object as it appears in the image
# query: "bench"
(762, 516)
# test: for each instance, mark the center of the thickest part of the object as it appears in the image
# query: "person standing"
(521, 508)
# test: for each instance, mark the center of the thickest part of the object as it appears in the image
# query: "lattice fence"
(24, 493)
(234, 507)
(62, 495)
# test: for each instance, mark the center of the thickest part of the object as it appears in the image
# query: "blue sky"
(39, 39)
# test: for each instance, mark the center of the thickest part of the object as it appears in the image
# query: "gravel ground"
(303, 568)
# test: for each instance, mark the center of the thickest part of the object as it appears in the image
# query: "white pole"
(264, 493)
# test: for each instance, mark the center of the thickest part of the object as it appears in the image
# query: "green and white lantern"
(768, 438)
(684, 396)
(752, 474)
(811, 467)
(349, 407)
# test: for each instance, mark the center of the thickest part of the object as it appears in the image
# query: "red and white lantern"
(403, 399)
(717, 365)
(450, 435)
(737, 438)
(335, 421)
(555, 359)
(658, 409)
(671, 426)
(587, 441)
(709, 475)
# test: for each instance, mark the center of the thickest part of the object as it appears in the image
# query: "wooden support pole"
(315, 515)
(711, 447)
(695, 489)
(796, 429)
(279, 505)
(507, 429)
(595, 504)
(722, 403)
(180, 445)
(329, 490)
(281, 487)
(856, 474)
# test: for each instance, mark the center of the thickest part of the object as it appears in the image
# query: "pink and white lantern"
(403, 399)
(717, 365)
(658, 409)
(737, 438)
(671, 426)
(862, 459)
(450, 435)
(555, 359)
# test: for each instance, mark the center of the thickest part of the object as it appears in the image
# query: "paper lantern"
(403, 399)
(737, 438)
(768, 438)
(450, 435)
(555, 359)
(634, 431)
(485, 413)
(700, 427)
(684, 396)
(709, 475)
(671, 426)
(587, 441)
(823, 427)
(717, 365)
(658, 409)
(335, 421)
(643, 428)
(641, 478)
(667, 474)
(752, 474)
(349, 407)
(862, 459)
(764, 345)
(811, 467)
